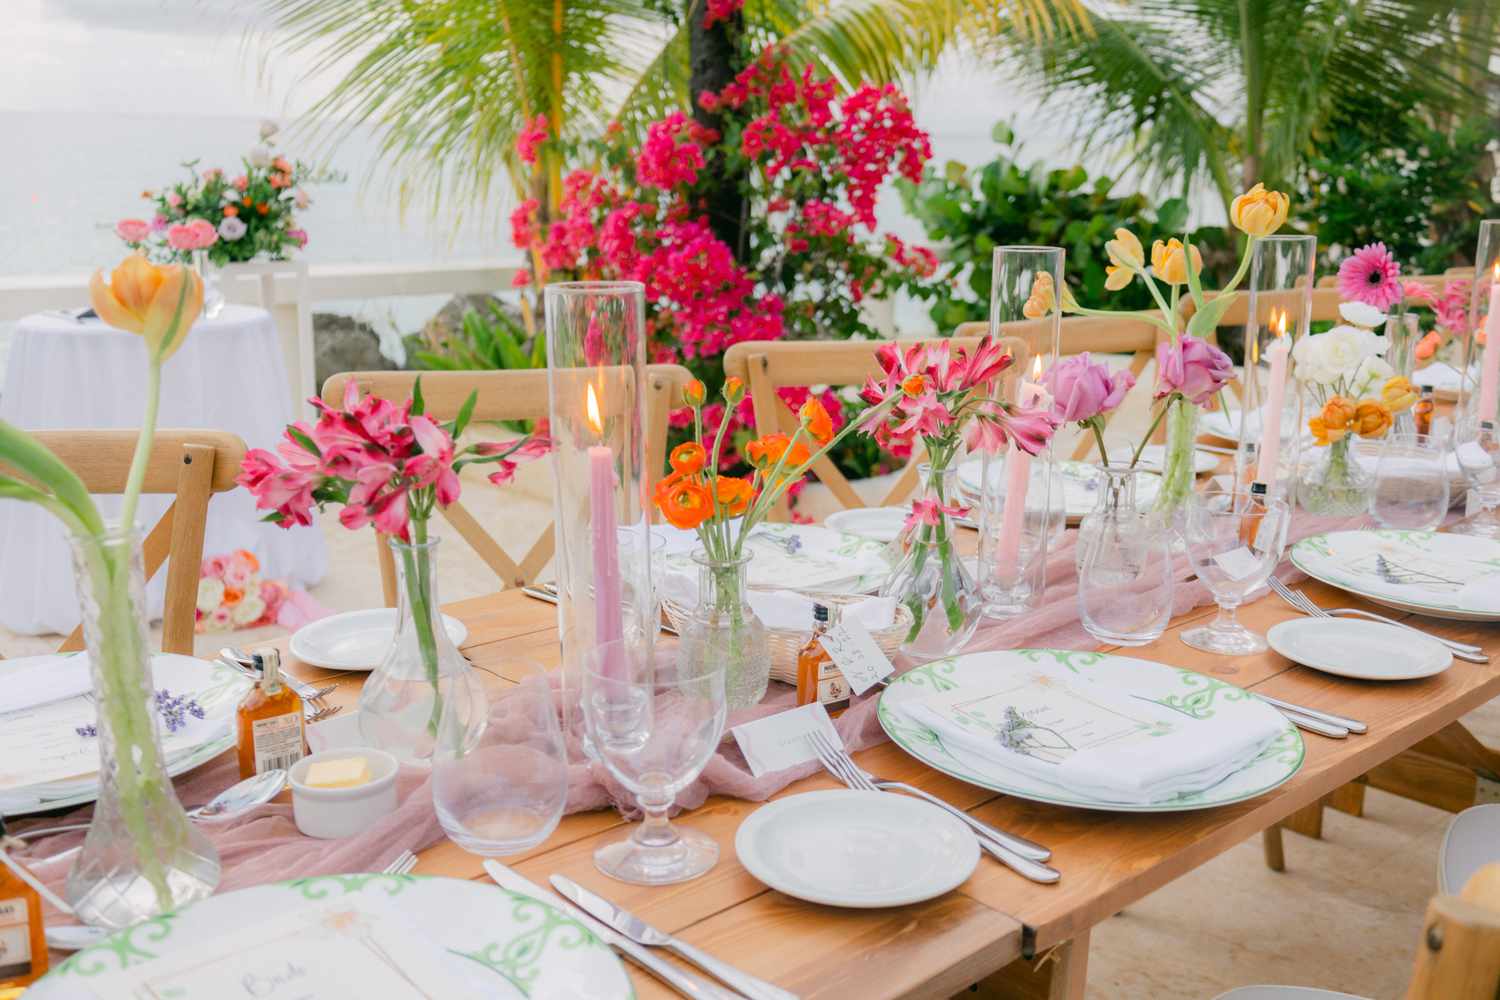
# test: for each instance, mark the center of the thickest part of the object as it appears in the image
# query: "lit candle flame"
(1278, 322)
(1036, 368)
(593, 412)
(1496, 272)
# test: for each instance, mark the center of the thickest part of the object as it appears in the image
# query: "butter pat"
(342, 772)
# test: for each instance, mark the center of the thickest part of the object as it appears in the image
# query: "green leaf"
(418, 404)
(1206, 319)
(1172, 214)
(465, 412)
(1002, 133)
(300, 436)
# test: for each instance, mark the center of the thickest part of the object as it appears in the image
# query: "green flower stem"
(1177, 466)
(1098, 429)
(143, 444)
(1146, 437)
(417, 562)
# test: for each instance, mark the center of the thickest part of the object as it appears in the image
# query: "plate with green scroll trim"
(504, 944)
(1428, 572)
(1197, 697)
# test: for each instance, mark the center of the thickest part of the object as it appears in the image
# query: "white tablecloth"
(228, 376)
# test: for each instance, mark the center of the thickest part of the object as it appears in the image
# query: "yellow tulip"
(158, 302)
(1169, 263)
(1125, 250)
(1116, 278)
(1042, 299)
(1259, 212)
(1398, 394)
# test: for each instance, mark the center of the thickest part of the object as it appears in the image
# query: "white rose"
(1372, 374)
(1360, 314)
(260, 156)
(210, 594)
(249, 610)
(231, 228)
(268, 128)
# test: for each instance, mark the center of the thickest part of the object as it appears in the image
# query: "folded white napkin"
(1437, 375)
(40, 680)
(787, 609)
(1097, 741)
(1481, 596)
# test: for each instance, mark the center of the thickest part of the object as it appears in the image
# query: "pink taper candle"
(608, 620)
(1270, 439)
(1489, 381)
(1017, 478)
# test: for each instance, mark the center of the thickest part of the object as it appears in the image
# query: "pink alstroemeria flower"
(925, 415)
(930, 513)
(435, 463)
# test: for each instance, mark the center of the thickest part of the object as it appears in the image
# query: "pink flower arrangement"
(1372, 276)
(232, 595)
(196, 234)
(1191, 368)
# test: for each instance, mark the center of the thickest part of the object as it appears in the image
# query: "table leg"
(1059, 974)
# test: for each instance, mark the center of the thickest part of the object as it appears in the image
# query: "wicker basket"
(786, 643)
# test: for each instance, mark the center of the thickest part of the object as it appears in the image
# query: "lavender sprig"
(173, 711)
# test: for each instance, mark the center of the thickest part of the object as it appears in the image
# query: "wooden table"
(1012, 937)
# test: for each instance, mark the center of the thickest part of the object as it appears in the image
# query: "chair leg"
(1349, 798)
(1307, 821)
(1270, 841)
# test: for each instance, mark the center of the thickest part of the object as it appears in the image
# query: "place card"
(1238, 563)
(780, 741)
(853, 649)
(349, 949)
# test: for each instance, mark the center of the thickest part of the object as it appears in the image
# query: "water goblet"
(505, 793)
(1411, 483)
(1477, 448)
(655, 719)
(1235, 540)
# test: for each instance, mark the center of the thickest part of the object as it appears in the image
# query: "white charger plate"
(356, 640)
(1365, 650)
(1420, 571)
(882, 524)
(842, 847)
(506, 945)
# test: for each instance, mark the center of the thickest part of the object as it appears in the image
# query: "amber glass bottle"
(1422, 412)
(817, 677)
(272, 731)
(23, 939)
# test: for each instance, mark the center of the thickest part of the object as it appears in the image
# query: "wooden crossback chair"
(193, 465)
(767, 366)
(503, 395)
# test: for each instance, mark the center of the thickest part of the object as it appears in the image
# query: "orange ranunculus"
(693, 393)
(914, 385)
(734, 389)
(249, 558)
(1332, 422)
(1372, 418)
(263, 207)
(158, 302)
(687, 458)
(734, 494)
(685, 504)
(816, 419)
(765, 452)
(1398, 394)
(1428, 345)
(231, 211)
(233, 595)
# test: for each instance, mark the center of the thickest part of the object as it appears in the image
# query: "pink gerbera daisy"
(1372, 276)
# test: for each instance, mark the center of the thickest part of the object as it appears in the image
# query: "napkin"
(1481, 596)
(41, 680)
(787, 609)
(1097, 741)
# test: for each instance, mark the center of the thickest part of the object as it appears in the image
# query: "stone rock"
(449, 319)
(345, 344)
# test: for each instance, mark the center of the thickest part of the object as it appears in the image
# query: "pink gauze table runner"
(264, 844)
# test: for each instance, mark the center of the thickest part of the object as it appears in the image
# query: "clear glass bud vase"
(401, 705)
(1177, 473)
(213, 296)
(142, 856)
(1124, 558)
(724, 631)
(931, 579)
(1334, 481)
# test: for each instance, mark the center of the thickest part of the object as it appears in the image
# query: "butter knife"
(684, 982)
(641, 932)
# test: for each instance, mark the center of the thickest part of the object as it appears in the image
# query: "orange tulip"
(687, 458)
(158, 302)
(1372, 418)
(734, 495)
(816, 419)
(693, 393)
(1332, 422)
(684, 504)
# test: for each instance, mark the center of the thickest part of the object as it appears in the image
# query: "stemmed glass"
(1477, 448)
(1411, 483)
(1235, 540)
(655, 719)
(505, 793)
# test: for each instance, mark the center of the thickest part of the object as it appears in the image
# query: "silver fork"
(404, 862)
(245, 664)
(1304, 604)
(843, 768)
(325, 712)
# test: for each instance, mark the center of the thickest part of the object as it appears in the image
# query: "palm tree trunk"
(715, 58)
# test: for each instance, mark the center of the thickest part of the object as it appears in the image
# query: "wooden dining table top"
(938, 948)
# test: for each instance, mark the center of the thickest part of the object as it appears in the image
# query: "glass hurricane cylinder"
(930, 578)
(142, 856)
(1124, 560)
(1280, 312)
(1486, 275)
(213, 296)
(596, 380)
(724, 634)
(423, 675)
(1402, 331)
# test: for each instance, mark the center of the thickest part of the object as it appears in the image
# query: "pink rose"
(174, 199)
(180, 237)
(213, 567)
(241, 182)
(212, 174)
(298, 237)
(1083, 389)
(204, 233)
(133, 230)
(1192, 367)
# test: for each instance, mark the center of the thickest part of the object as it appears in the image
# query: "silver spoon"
(230, 802)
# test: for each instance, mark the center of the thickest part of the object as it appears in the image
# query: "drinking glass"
(655, 719)
(1411, 483)
(1234, 540)
(1486, 275)
(1477, 448)
(506, 793)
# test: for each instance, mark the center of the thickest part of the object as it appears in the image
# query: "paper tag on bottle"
(15, 938)
(278, 742)
(1238, 563)
(854, 650)
(780, 741)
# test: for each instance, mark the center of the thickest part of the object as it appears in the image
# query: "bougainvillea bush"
(811, 163)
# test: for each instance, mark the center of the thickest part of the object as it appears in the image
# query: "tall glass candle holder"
(1019, 490)
(596, 351)
(1475, 404)
(1279, 313)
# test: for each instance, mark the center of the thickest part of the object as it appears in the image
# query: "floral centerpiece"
(232, 595)
(1190, 370)
(946, 399)
(394, 467)
(142, 856)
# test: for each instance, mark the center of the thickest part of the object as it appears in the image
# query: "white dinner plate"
(505, 945)
(356, 640)
(1427, 572)
(1080, 484)
(883, 524)
(842, 847)
(1153, 455)
(1353, 647)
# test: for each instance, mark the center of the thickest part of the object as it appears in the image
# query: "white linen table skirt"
(228, 376)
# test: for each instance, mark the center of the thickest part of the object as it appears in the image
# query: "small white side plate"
(356, 640)
(882, 524)
(1153, 455)
(842, 847)
(1365, 650)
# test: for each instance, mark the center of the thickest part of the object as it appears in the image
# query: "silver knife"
(1343, 722)
(684, 982)
(641, 932)
(1315, 725)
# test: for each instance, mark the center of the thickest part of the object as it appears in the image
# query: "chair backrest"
(193, 465)
(504, 395)
(254, 283)
(1458, 955)
(767, 366)
(1433, 281)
